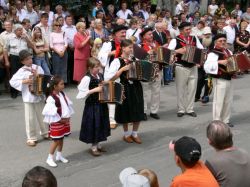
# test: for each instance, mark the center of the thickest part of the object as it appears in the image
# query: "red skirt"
(58, 130)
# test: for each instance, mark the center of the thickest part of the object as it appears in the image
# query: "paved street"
(17, 158)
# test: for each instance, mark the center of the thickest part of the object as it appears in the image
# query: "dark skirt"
(95, 123)
(132, 108)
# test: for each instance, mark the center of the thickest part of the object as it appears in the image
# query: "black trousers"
(15, 65)
(70, 63)
(202, 76)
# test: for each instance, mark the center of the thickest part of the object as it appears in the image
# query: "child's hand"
(27, 81)
(99, 88)
(127, 67)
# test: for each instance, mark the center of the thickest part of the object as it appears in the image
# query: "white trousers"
(112, 113)
(186, 84)
(33, 115)
(223, 98)
(152, 90)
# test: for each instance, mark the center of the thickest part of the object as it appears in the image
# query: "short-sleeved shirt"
(14, 45)
(197, 176)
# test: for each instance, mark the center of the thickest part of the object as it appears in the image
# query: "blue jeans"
(40, 61)
(168, 73)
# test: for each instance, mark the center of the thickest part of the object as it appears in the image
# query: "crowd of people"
(93, 50)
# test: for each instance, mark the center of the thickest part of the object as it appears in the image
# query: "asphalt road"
(83, 170)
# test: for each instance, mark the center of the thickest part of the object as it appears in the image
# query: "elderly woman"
(82, 51)
(58, 44)
(99, 31)
(242, 38)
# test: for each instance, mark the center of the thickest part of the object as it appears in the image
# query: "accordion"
(232, 65)
(164, 55)
(194, 55)
(39, 84)
(112, 92)
(141, 70)
(243, 61)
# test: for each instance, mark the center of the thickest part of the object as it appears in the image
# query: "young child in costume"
(95, 120)
(57, 112)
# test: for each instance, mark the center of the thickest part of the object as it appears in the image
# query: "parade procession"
(141, 93)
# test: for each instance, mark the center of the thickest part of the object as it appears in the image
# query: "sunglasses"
(222, 41)
(58, 25)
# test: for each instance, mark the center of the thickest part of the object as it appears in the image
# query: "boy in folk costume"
(33, 104)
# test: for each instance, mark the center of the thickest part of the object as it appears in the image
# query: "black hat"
(216, 37)
(184, 24)
(188, 149)
(145, 30)
(119, 28)
(24, 54)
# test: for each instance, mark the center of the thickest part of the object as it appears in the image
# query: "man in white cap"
(14, 44)
(130, 178)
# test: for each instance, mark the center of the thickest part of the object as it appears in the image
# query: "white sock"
(50, 156)
(94, 147)
(134, 133)
(59, 154)
(127, 133)
(99, 146)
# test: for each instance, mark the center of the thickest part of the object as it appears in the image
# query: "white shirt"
(124, 15)
(4, 36)
(179, 8)
(51, 17)
(230, 32)
(32, 16)
(113, 68)
(213, 8)
(83, 87)
(16, 82)
(193, 6)
(174, 32)
(21, 14)
(46, 31)
(104, 58)
(70, 32)
(130, 32)
(196, 32)
(173, 43)
(50, 109)
(145, 14)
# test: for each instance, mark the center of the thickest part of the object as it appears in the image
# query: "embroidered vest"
(58, 103)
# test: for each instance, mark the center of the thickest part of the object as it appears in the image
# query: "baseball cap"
(130, 178)
(188, 149)
(207, 30)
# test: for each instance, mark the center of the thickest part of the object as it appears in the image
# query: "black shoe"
(13, 95)
(196, 100)
(166, 82)
(145, 117)
(155, 116)
(230, 124)
(180, 114)
(193, 114)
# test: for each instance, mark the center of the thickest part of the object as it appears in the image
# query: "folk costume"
(131, 109)
(185, 75)
(57, 107)
(222, 83)
(106, 61)
(95, 126)
(154, 86)
(33, 104)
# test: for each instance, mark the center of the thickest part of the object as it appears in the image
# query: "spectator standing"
(237, 11)
(5, 35)
(46, 29)
(12, 15)
(212, 8)
(174, 31)
(31, 14)
(137, 13)
(59, 12)
(229, 165)
(50, 14)
(231, 34)
(15, 43)
(193, 6)
(97, 8)
(180, 7)
(198, 30)
(70, 30)
(242, 39)
(246, 15)
(21, 13)
(58, 45)
(124, 12)
(133, 30)
(82, 51)
(111, 12)
(99, 31)
(40, 49)
(144, 11)
(221, 11)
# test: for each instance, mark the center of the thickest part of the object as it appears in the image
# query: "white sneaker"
(51, 163)
(62, 159)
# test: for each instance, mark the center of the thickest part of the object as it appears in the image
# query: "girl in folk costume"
(95, 126)
(131, 110)
(57, 113)
(33, 104)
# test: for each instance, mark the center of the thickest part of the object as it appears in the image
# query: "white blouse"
(50, 109)
(17, 79)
